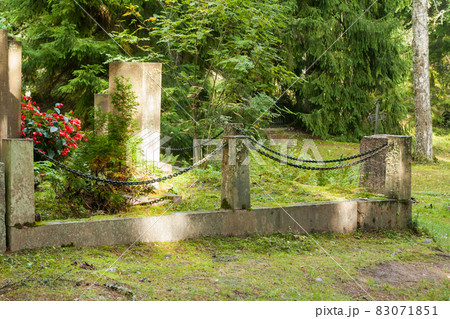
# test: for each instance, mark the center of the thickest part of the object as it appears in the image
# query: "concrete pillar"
(145, 79)
(10, 86)
(4, 85)
(17, 154)
(15, 87)
(2, 209)
(388, 172)
(235, 169)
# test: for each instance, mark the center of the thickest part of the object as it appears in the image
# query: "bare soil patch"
(405, 277)
(395, 272)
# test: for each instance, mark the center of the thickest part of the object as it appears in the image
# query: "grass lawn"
(391, 265)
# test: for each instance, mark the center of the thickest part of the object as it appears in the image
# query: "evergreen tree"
(439, 47)
(369, 62)
(64, 50)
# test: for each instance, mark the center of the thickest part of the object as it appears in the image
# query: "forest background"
(255, 62)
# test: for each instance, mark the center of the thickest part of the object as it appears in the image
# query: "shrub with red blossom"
(55, 134)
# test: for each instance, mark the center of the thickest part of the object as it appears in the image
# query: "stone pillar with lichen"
(17, 155)
(388, 173)
(235, 169)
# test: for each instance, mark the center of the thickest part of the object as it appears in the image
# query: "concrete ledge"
(338, 217)
(383, 214)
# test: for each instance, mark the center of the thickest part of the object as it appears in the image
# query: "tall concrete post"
(15, 87)
(10, 86)
(389, 172)
(4, 85)
(145, 79)
(235, 169)
(17, 154)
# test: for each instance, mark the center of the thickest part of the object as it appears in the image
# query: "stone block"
(398, 168)
(17, 154)
(388, 172)
(235, 169)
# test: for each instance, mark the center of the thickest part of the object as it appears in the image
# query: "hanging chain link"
(192, 147)
(321, 168)
(306, 160)
(122, 183)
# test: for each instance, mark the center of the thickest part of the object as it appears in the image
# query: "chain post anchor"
(389, 172)
(235, 169)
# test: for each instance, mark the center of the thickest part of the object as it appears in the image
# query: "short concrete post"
(235, 169)
(388, 172)
(2, 209)
(17, 154)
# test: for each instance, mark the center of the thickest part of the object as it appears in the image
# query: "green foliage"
(45, 170)
(223, 59)
(345, 77)
(63, 50)
(105, 155)
(112, 137)
(231, 60)
(439, 24)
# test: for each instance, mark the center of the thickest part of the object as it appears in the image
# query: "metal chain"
(309, 161)
(321, 168)
(192, 147)
(121, 183)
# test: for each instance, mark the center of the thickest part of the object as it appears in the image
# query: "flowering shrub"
(53, 133)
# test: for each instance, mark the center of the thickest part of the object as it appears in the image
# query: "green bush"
(105, 155)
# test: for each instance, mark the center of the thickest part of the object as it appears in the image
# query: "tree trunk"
(423, 144)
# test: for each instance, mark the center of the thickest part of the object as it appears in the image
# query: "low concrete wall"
(337, 217)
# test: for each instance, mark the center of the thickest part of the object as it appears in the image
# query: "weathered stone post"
(17, 155)
(4, 85)
(10, 86)
(2, 209)
(15, 87)
(389, 173)
(235, 169)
